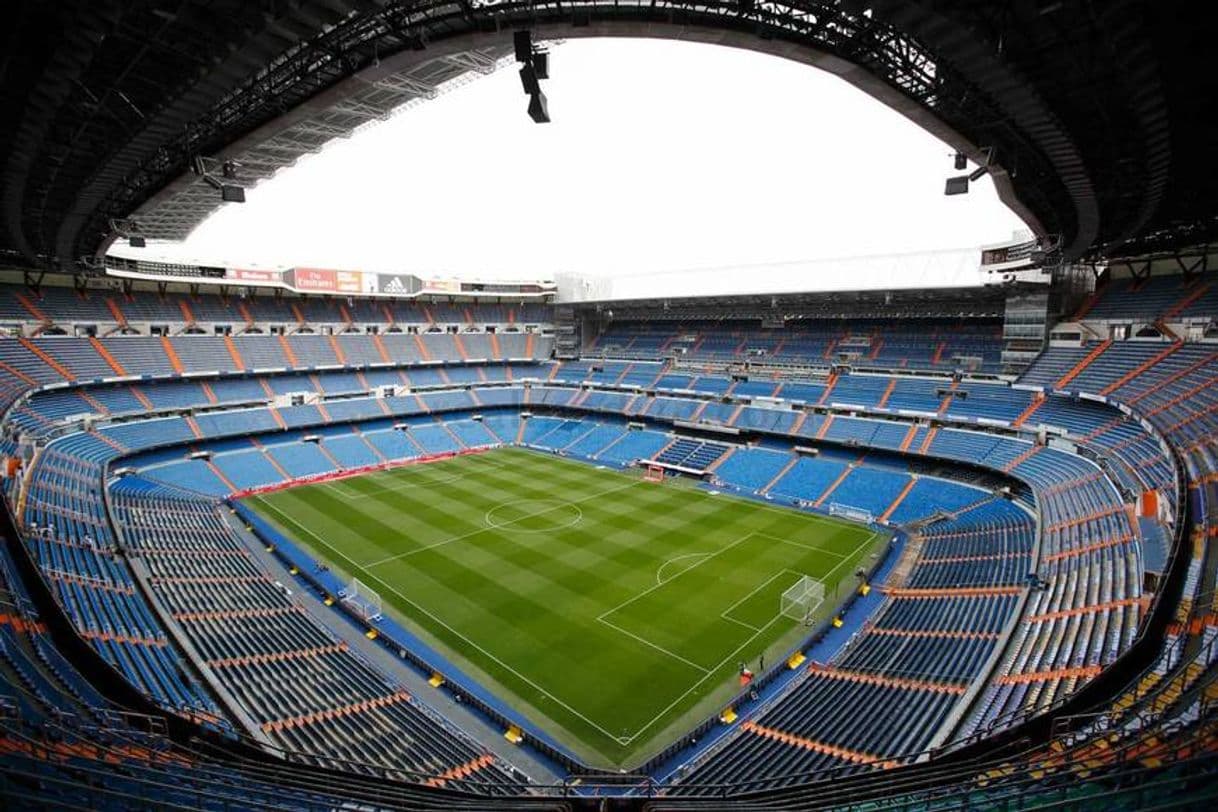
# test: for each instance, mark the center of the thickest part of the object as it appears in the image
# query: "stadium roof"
(1096, 113)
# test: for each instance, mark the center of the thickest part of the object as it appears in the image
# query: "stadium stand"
(66, 306)
(1042, 633)
(1154, 299)
(861, 343)
(969, 529)
(302, 686)
(910, 663)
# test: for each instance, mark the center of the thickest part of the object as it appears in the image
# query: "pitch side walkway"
(823, 650)
(521, 758)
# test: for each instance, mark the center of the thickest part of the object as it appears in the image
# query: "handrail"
(177, 443)
(1142, 636)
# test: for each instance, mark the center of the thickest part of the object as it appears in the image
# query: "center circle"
(534, 515)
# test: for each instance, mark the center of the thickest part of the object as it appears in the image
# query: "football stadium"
(920, 530)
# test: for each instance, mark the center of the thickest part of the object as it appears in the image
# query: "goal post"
(852, 513)
(362, 599)
(802, 599)
(654, 473)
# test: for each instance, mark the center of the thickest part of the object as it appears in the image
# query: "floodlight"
(535, 66)
(961, 162)
(522, 41)
(229, 193)
(538, 110)
(959, 184)
(528, 80)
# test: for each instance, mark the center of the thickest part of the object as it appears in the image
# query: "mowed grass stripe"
(390, 481)
(380, 526)
(495, 625)
(561, 565)
(518, 605)
(693, 597)
(520, 516)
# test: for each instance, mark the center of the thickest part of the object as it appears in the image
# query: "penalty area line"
(724, 614)
(440, 622)
(655, 646)
(733, 653)
(660, 568)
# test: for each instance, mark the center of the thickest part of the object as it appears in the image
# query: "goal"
(362, 599)
(800, 601)
(654, 474)
(852, 513)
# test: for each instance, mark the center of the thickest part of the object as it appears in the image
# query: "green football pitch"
(614, 613)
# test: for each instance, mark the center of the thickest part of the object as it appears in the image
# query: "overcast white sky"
(660, 155)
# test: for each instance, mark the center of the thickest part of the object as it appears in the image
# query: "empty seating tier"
(1023, 577)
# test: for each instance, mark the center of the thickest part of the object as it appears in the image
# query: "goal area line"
(745, 618)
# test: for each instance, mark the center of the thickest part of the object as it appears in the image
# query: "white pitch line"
(655, 646)
(829, 576)
(422, 609)
(752, 592)
(504, 526)
(376, 479)
(338, 489)
(404, 486)
(526, 680)
(694, 687)
(660, 568)
(809, 547)
(651, 589)
(748, 626)
(489, 515)
(788, 510)
(423, 481)
(735, 651)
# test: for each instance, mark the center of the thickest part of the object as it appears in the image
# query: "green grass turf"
(613, 612)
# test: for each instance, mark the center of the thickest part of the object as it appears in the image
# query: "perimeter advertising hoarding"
(397, 284)
(995, 256)
(325, 280)
(355, 282)
(442, 286)
(1015, 252)
(313, 279)
(252, 275)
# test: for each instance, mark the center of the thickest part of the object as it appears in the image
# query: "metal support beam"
(972, 73)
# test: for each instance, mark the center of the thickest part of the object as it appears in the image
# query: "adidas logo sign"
(395, 285)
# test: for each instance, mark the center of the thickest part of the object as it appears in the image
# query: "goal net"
(852, 513)
(800, 601)
(654, 474)
(365, 601)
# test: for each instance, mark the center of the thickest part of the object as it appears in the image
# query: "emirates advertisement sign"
(325, 280)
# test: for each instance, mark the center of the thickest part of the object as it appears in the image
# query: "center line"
(503, 526)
